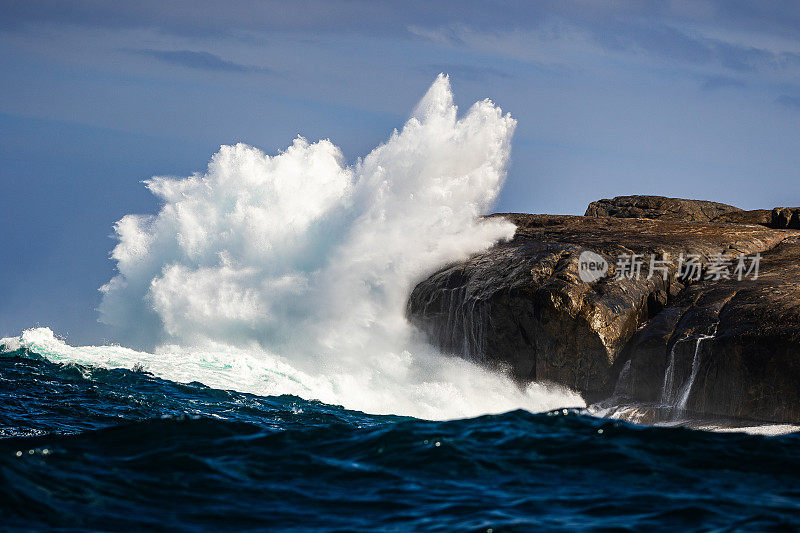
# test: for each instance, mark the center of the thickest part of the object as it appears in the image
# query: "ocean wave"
(289, 274)
(121, 449)
(447, 388)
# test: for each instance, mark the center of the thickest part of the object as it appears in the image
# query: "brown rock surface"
(660, 208)
(760, 217)
(750, 367)
(523, 306)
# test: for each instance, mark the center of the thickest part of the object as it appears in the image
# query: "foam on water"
(424, 385)
(290, 273)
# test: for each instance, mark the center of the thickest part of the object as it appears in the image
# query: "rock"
(523, 306)
(760, 217)
(750, 367)
(660, 208)
(786, 217)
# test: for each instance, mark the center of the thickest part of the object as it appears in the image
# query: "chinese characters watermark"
(688, 267)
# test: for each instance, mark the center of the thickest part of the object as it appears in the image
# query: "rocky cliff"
(638, 323)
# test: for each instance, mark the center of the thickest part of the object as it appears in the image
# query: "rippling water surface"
(93, 448)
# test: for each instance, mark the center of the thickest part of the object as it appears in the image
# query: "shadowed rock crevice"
(785, 217)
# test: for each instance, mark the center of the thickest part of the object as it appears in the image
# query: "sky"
(694, 99)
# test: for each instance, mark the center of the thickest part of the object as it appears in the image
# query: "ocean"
(115, 449)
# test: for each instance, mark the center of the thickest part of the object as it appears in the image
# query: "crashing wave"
(290, 273)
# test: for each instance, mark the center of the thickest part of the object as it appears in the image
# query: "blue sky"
(695, 99)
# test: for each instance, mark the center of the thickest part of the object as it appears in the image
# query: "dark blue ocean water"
(87, 448)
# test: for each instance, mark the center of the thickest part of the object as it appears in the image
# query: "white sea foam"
(290, 273)
(423, 384)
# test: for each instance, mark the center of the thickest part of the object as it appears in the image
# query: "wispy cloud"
(446, 35)
(464, 72)
(198, 60)
(631, 39)
(788, 101)
(732, 35)
(208, 17)
(714, 83)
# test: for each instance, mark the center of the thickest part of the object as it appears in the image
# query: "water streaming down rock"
(667, 390)
(624, 377)
(679, 379)
(677, 386)
(686, 389)
(463, 330)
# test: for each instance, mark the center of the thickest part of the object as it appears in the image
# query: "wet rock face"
(750, 367)
(524, 305)
(660, 208)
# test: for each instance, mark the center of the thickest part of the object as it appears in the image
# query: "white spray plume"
(300, 266)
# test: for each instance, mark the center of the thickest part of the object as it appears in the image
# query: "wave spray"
(290, 273)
